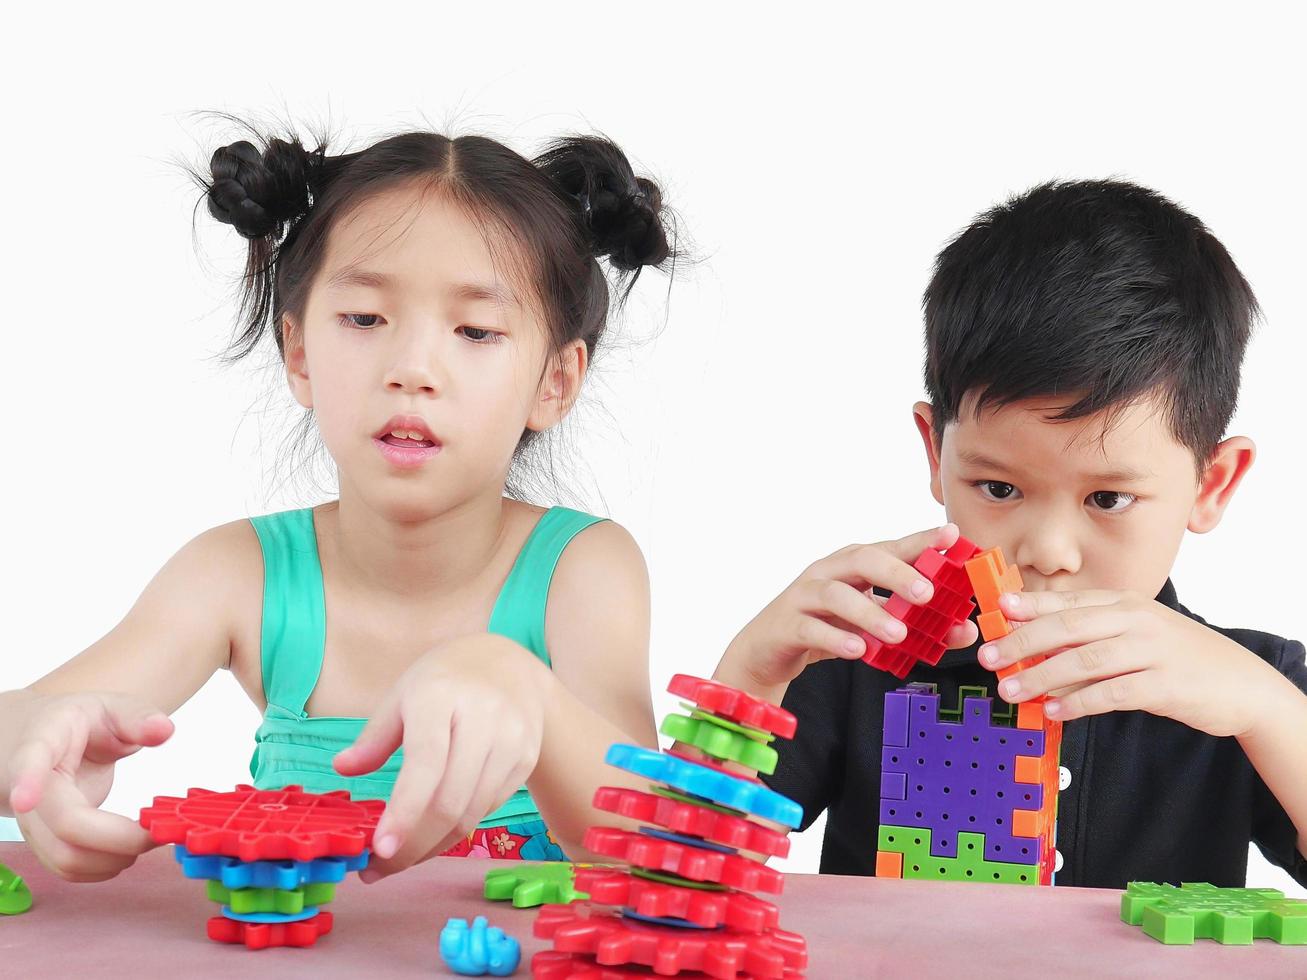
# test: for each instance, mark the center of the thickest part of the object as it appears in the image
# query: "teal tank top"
(290, 747)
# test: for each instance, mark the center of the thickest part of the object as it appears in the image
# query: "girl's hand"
(61, 771)
(1116, 651)
(817, 617)
(470, 717)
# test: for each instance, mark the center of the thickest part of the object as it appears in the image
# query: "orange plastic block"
(1028, 769)
(889, 864)
(1026, 823)
(1030, 715)
(990, 577)
(993, 625)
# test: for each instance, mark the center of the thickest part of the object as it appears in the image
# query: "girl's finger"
(71, 818)
(427, 754)
(381, 736)
(68, 861)
(57, 739)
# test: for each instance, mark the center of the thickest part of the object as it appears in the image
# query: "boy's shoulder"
(1282, 653)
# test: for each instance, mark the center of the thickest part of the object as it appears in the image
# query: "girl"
(425, 638)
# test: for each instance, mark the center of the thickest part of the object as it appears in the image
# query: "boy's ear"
(559, 387)
(924, 416)
(1225, 470)
(297, 369)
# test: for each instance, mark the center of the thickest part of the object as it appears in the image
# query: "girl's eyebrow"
(353, 275)
(497, 294)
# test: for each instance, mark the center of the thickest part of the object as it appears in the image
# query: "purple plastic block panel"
(896, 718)
(893, 786)
(960, 776)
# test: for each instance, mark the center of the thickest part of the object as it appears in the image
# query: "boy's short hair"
(1100, 290)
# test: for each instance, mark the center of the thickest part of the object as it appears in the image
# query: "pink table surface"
(149, 921)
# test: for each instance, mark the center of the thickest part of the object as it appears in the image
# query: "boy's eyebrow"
(1122, 474)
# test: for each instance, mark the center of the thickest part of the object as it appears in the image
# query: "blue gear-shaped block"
(699, 842)
(283, 875)
(479, 949)
(308, 912)
(654, 920)
(722, 788)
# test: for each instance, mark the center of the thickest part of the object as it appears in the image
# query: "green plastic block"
(677, 880)
(246, 901)
(15, 896)
(1000, 712)
(672, 794)
(529, 885)
(969, 865)
(1231, 916)
(754, 733)
(720, 742)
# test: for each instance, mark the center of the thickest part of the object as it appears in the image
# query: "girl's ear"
(924, 416)
(297, 368)
(1226, 469)
(559, 387)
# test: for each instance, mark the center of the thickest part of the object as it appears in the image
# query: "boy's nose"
(1049, 547)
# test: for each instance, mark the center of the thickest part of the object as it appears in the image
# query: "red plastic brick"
(264, 935)
(724, 954)
(549, 964)
(727, 702)
(735, 910)
(695, 863)
(264, 825)
(696, 821)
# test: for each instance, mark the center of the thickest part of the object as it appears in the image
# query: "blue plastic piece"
(654, 920)
(699, 842)
(262, 917)
(719, 787)
(283, 875)
(478, 950)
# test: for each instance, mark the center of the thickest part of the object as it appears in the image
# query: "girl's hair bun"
(622, 213)
(259, 193)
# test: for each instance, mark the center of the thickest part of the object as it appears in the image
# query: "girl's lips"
(402, 456)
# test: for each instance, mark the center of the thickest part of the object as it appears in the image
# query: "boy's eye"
(361, 320)
(479, 335)
(1111, 501)
(996, 489)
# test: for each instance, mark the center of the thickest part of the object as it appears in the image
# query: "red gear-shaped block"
(549, 964)
(929, 624)
(727, 702)
(264, 825)
(734, 910)
(669, 857)
(724, 954)
(696, 821)
(263, 935)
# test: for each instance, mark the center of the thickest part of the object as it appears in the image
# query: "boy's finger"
(811, 633)
(1128, 692)
(873, 565)
(909, 549)
(961, 636)
(1049, 634)
(1025, 606)
(841, 600)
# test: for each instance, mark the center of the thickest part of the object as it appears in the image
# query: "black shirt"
(1149, 799)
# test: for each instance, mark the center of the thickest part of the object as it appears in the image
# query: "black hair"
(1099, 290)
(577, 203)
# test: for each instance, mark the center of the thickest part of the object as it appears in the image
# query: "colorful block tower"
(968, 792)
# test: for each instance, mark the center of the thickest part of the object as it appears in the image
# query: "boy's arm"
(1274, 747)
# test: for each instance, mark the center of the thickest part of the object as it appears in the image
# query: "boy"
(1084, 344)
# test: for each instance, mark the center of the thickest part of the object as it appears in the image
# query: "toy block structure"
(968, 792)
(271, 858)
(1230, 916)
(683, 900)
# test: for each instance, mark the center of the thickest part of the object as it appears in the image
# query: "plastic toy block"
(720, 743)
(921, 865)
(15, 895)
(283, 875)
(961, 776)
(531, 885)
(721, 722)
(659, 834)
(1026, 823)
(478, 950)
(733, 705)
(256, 935)
(927, 625)
(694, 863)
(677, 880)
(672, 794)
(708, 910)
(1028, 768)
(549, 964)
(693, 820)
(680, 751)
(722, 788)
(264, 825)
(722, 953)
(897, 709)
(991, 576)
(1030, 716)
(272, 918)
(283, 902)
(993, 625)
(889, 864)
(1231, 916)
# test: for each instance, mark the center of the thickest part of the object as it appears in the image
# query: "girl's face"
(422, 355)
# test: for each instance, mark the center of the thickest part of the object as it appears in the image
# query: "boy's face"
(1081, 504)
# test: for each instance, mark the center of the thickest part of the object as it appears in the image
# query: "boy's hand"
(61, 771)
(470, 718)
(1116, 651)
(818, 616)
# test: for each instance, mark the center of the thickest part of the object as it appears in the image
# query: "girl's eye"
(1111, 501)
(479, 335)
(363, 321)
(996, 490)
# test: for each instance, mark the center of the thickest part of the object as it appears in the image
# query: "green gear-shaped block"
(720, 742)
(970, 865)
(15, 896)
(246, 901)
(1231, 916)
(529, 885)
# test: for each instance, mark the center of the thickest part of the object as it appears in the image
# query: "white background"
(754, 421)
